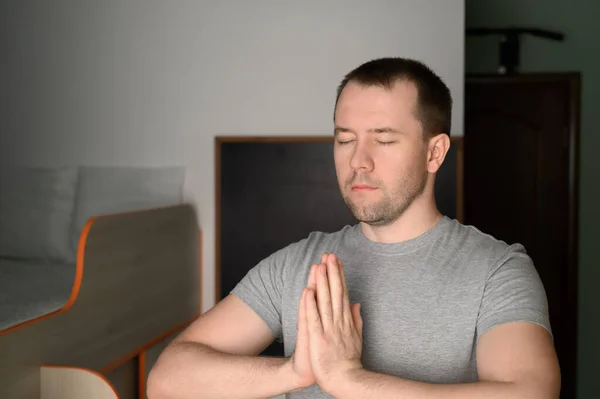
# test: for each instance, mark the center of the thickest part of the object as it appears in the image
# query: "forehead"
(376, 104)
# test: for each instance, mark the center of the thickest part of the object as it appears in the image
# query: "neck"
(419, 217)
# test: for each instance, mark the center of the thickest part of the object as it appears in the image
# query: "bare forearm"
(192, 370)
(366, 384)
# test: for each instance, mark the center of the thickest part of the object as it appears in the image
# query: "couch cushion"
(112, 189)
(30, 289)
(36, 207)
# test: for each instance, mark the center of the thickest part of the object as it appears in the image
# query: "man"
(406, 304)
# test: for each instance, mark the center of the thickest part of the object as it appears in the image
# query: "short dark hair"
(434, 103)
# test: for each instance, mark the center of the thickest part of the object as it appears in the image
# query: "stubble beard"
(392, 205)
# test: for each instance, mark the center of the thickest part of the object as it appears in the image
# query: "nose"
(361, 160)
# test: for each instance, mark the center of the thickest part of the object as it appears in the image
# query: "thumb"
(301, 326)
(357, 318)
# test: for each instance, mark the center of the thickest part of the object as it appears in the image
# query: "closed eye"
(340, 142)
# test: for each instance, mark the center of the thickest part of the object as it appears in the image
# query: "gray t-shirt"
(424, 302)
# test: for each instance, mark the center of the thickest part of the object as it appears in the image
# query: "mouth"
(363, 188)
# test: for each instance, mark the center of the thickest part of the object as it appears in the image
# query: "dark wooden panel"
(273, 194)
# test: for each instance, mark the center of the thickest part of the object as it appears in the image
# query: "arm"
(515, 360)
(216, 357)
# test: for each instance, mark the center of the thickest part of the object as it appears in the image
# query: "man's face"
(380, 156)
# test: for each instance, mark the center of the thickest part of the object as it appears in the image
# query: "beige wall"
(152, 82)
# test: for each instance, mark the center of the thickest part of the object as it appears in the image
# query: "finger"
(312, 280)
(302, 334)
(313, 319)
(357, 319)
(324, 297)
(336, 289)
(301, 311)
(346, 294)
(324, 258)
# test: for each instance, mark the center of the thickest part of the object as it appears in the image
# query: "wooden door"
(520, 171)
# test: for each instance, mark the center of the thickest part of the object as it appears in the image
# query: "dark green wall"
(579, 20)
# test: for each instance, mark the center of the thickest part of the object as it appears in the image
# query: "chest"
(419, 322)
(418, 335)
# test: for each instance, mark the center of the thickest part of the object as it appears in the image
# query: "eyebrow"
(384, 129)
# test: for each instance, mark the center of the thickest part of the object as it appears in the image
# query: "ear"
(438, 148)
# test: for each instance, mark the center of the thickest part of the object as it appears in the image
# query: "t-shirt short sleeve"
(513, 292)
(261, 289)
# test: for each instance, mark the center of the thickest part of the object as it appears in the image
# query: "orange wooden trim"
(142, 375)
(200, 268)
(459, 179)
(217, 254)
(140, 210)
(76, 284)
(458, 142)
(97, 374)
(274, 139)
(147, 345)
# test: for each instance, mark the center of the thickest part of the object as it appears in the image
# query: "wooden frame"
(573, 81)
(219, 140)
(142, 383)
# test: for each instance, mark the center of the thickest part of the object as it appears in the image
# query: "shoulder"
(483, 248)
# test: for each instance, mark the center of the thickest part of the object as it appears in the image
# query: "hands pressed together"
(329, 343)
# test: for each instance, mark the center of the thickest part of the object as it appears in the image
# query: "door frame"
(572, 81)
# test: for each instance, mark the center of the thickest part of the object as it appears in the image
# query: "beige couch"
(98, 267)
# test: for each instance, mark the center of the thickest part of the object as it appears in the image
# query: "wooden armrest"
(140, 278)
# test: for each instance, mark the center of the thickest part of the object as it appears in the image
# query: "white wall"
(153, 82)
